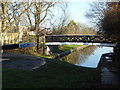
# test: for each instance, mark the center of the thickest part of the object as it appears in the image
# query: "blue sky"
(77, 11)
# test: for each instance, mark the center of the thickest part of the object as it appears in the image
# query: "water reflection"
(85, 53)
(88, 57)
(80, 55)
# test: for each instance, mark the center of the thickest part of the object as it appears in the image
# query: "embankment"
(60, 55)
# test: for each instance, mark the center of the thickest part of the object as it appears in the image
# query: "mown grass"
(68, 47)
(54, 74)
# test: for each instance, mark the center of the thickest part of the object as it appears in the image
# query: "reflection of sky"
(93, 60)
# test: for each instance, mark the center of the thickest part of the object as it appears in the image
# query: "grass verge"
(68, 47)
(54, 74)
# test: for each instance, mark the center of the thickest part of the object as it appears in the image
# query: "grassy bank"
(68, 47)
(54, 74)
(61, 48)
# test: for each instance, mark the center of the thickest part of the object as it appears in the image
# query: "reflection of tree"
(82, 55)
(82, 58)
(73, 57)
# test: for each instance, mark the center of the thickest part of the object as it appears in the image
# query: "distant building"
(13, 35)
(42, 32)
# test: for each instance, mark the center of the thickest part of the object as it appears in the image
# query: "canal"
(87, 57)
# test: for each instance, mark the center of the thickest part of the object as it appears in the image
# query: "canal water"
(88, 57)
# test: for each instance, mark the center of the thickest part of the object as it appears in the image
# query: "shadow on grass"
(54, 74)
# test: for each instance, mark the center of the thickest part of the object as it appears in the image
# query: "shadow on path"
(21, 61)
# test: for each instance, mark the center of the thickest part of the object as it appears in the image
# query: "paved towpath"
(110, 77)
(21, 61)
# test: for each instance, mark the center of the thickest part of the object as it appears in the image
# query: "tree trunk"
(4, 15)
(37, 40)
(37, 32)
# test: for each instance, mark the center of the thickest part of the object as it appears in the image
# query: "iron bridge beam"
(78, 38)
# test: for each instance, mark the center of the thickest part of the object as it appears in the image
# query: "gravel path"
(21, 61)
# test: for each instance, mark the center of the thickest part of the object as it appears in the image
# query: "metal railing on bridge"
(79, 40)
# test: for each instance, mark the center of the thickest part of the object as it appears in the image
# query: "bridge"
(52, 41)
(68, 39)
(79, 40)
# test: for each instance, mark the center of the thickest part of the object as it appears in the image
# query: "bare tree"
(111, 21)
(41, 12)
(96, 13)
(6, 24)
(11, 13)
(60, 28)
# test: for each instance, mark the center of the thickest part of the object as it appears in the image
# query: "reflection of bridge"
(78, 40)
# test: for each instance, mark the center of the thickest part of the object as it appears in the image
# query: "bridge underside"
(80, 43)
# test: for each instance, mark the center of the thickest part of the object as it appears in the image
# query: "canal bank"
(55, 74)
(65, 53)
(109, 73)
